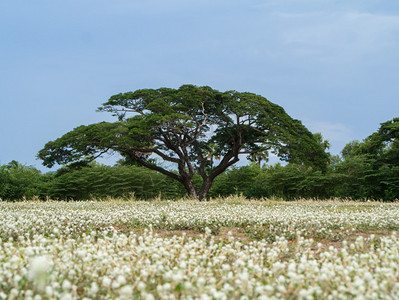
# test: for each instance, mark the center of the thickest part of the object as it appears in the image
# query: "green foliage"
(5, 180)
(350, 177)
(366, 170)
(350, 149)
(288, 182)
(189, 127)
(238, 181)
(18, 181)
(99, 181)
(370, 167)
(280, 181)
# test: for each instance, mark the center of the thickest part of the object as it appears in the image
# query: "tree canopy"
(18, 181)
(378, 156)
(189, 127)
(383, 145)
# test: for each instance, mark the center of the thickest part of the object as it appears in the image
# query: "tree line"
(203, 133)
(365, 170)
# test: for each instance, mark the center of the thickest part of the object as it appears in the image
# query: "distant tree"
(210, 153)
(5, 181)
(237, 180)
(180, 125)
(101, 181)
(383, 145)
(371, 167)
(281, 181)
(382, 149)
(257, 158)
(13, 165)
(350, 149)
(18, 181)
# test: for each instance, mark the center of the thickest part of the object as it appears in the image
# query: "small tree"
(181, 125)
(18, 181)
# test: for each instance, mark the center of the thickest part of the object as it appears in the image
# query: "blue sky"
(331, 64)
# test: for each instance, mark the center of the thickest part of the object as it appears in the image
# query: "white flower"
(121, 280)
(29, 251)
(66, 296)
(38, 270)
(201, 281)
(66, 285)
(14, 293)
(148, 296)
(81, 253)
(205, 297)
(106, 282)
(281, 279)
(93, 289)
(115, 284)
(49, 291)
(16, 279)
(177, 277)
(126, 292)
(243, 276)
(141, 286)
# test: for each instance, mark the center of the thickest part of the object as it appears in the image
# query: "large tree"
(383, 145)
(373, 164)
(182, 127)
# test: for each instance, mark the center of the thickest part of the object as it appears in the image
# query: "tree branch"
(153, 166)
(149, 150)
(228, 160)
(203, 160)
(203, 122)
(253, 151)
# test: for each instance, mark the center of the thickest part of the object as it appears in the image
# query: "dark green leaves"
(178, 125)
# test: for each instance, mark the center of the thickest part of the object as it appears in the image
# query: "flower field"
(222, 249)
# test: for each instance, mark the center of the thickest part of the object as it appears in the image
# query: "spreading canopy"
(383, 145)
(189, 127)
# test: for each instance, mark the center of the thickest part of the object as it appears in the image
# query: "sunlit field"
(229, 248)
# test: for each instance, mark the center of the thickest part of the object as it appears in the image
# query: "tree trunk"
(206, 185)
(190, 188)
(201, 195)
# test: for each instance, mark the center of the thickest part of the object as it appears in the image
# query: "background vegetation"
(354, 177)
(365, 170)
